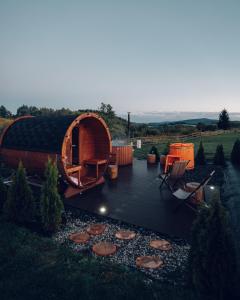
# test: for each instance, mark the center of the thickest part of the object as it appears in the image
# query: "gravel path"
(127, 251)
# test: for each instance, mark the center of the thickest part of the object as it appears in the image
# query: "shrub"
(219, 158)
(200, 157)
(51, 205)
(154, 150)
(212, 258)
(20, 204)
(166, 149)
(3, 194)
(235, 155)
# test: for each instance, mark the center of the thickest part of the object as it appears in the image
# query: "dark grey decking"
(135, 198)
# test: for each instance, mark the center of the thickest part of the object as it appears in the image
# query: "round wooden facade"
(81, 146)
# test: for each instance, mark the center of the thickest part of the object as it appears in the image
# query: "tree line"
(25, 110)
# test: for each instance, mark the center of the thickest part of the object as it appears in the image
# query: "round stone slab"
(161, 245)
(149, 262)
(125, 234)
(104, 248)
(79, 237)
(96, 229)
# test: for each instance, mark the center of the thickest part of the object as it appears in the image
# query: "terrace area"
(135, 198)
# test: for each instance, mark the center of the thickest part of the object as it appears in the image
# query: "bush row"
(19, 205)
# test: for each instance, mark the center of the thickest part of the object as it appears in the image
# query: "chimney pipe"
(128, 126)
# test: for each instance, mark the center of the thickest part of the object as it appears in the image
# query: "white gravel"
(175, 260)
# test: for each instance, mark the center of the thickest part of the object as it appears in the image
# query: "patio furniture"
(199, 195)
(185, 196)
(170, 159)
(175, 175)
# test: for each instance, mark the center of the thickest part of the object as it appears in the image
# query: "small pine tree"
(224, 120)
(212, 258)
(154, 150)
(219, 158)
(20, 205)
(51, 204)
(235, 155)
(3, 194)
(200, 157)
(166, 149)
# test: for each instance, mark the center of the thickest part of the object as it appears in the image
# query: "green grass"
(34, 267)
(210, 143)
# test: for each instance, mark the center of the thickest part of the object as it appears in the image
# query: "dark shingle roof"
(43, 134)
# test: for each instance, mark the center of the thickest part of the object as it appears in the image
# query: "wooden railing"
(181, 138)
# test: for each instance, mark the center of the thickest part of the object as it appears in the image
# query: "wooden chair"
(175, 175)
(185, 196)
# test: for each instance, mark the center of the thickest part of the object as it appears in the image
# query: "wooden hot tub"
(124, 154)
(185, 151)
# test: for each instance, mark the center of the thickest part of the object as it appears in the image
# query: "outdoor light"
(212, 187)
(102, 209)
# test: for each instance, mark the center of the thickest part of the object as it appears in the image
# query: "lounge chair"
(175, 175)
(185, 196)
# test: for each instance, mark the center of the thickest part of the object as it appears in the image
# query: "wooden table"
(75, 169)
(95, 162)
(199, 195)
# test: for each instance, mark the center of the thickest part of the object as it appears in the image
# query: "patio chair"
(175, 175)
(185, 196)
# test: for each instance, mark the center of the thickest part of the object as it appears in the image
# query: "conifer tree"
(20, 204)
(219, 158)
(51, 204)
(235, 155)
(224, 120)
(212, 258)
(200, 157)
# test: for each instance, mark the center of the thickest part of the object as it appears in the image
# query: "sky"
(147, 57)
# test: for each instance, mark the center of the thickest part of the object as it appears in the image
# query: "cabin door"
(75, 146)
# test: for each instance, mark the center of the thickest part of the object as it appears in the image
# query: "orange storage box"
(185, 151)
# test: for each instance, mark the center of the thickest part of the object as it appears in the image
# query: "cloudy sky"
(139, 56)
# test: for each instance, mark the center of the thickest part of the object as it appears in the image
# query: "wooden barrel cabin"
(81, 146)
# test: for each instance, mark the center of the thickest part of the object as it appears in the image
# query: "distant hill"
(191, 122)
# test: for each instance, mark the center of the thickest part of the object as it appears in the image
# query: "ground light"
(102, 209)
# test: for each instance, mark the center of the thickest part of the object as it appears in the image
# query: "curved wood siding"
(34, 162)
(124, 154)
(79, 144)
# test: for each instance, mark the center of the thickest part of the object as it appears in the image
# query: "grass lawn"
(210, 143)
(33, 267)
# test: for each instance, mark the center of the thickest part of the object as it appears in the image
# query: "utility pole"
(128, 127)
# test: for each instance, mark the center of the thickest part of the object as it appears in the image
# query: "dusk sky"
(139, 56)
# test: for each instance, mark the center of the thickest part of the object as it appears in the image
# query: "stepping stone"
(161, 245)
(96, 229)
(79, 237)
(149, 262)
(104, 248)
(125, 235)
